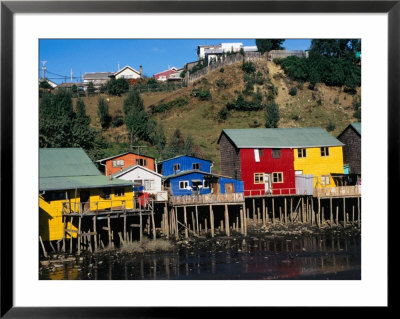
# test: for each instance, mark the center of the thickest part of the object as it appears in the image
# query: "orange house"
(118, 162)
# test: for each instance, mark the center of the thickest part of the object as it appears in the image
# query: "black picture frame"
(9, 8)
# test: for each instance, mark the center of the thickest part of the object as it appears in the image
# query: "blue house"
(195, 182)
(184, 163)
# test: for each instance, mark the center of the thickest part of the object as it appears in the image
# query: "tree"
(81, 112)
(338, 48)
(117, 86)
(136, 118)
(265, 45)
(102, 112)
(272, 116)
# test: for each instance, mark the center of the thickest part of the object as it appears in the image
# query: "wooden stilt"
(330, 211)
(291, 209)
(205, 225)
(79, 234)
(337, 215)
(244, 220)
(263, 211)
(44, 249)
(70, 235)
(254, 210)
(227, 230)
(193, 221)
(266, 215)
(237, 224)
(140, 226)
(352, 216)
(273, 211)
(344, 211)
(302, 209)
(64, 232)
(125, 239)
(197, 220)
(185, 221)
(176, 223)
(258, 215)
(166, 220)
(154, 225)
(241, 221)
(285, 211)
(95, 233)
(212, 221)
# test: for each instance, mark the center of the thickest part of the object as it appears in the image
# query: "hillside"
(327, 107)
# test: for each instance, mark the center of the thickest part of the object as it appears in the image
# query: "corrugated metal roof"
(178, 156)
(70, 168)
(191, 172)
(72, 182)
(357, 127)
(122, 154)
(54, 162)
(281, 137)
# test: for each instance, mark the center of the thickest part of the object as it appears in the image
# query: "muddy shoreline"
(294, 251)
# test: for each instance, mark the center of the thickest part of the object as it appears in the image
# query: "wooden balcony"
(207, 199)
(339, 191)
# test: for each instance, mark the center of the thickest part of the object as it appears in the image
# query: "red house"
(164, 75)
(118, 162)
(263, 162)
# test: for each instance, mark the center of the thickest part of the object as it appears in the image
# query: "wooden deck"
(207, 199)
(339, 191)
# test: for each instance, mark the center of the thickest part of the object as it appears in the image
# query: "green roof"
(70, 168)
(72, 182)
(357, 127)
(281, 137)
(65, 162)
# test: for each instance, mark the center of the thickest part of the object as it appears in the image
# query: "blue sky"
(104, 55)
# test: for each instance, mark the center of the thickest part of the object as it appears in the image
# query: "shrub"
(161, 108)
(221, 70)
(117, 86)
(331, 126)
(102, 112)
(248, 67)
(117, 121)
(223, 114)
(222, 84)
(203, 94)
(293, 91)
(272, 116)
(336, 100)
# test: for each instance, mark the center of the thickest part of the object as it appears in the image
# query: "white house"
(147, 179)
(128, 72)
(210, 52)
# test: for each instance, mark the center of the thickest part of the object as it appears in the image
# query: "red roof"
(165, 73)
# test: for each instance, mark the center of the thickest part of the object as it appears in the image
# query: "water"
(307, 257)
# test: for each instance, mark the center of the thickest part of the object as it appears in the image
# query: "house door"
(84, 198)
(267, 183)
(229, 188)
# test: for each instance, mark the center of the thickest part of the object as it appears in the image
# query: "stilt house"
(120, 162)
(70, 182)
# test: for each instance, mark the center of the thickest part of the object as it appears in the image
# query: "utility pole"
(43, 69)
(71, 75)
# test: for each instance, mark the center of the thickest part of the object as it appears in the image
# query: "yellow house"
(70, 182)
(319, 155)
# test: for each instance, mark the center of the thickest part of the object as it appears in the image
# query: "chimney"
(141, 71)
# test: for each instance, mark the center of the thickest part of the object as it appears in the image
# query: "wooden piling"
(212, 221)
(197, 220)
(140, 226)
(263, 211)
(95, 233)
(358, 212)
(254, 210)
(344, 211)
(337, 215)
(273, 211)
(125, 227)
(154, 225)
(227, 230)
(205, 225)
(70, 235)
(166, 221)
(241, 221)
(291, 209)
(44, 249)
(330, 211)
(302, 209)
(176, 223)
(193, 221)
(285, 211)
(185, 222)
(79, 234)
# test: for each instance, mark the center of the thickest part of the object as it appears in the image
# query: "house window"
(256, 155)
(106, 193)
(196, 165)
(148, 184)
(276, 153)
(324, 151)
(277, 177)
(301, 152)
(325, 180)
(141, 162)
(258, 178)
(206, 184)
(177, 167)
(119, 191)
(183, 184)
(118, 163)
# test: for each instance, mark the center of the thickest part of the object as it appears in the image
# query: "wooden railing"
(271, 192)
(113, 205)
(338, 191)
(207, 199)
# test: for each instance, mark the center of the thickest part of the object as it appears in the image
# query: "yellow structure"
(70, 183)
(52, 205)
(320, 162)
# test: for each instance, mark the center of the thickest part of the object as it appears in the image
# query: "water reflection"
(313, 257)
